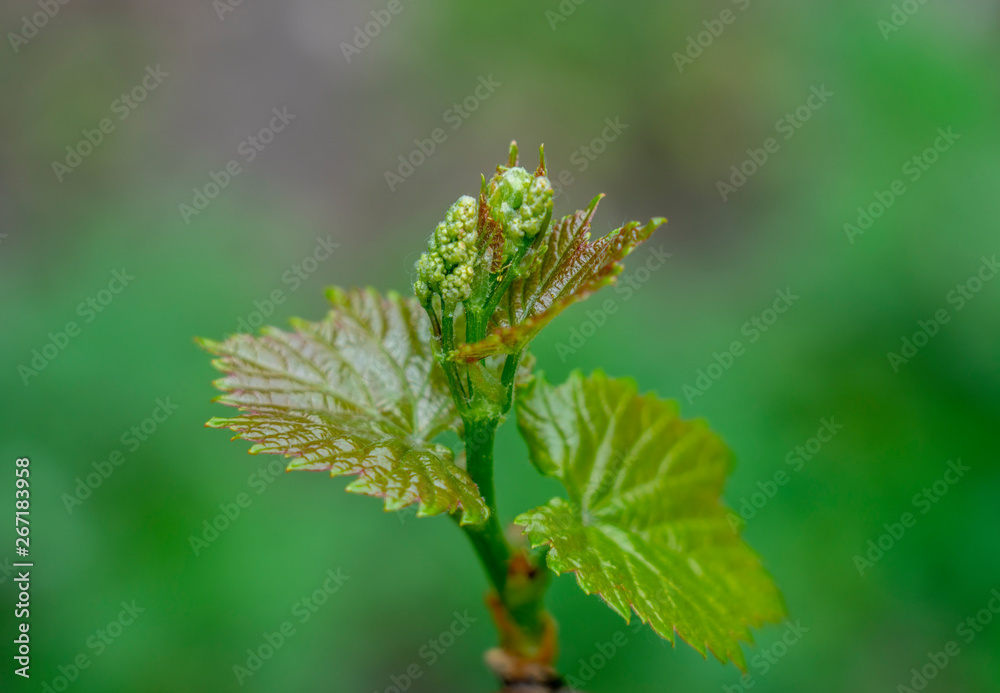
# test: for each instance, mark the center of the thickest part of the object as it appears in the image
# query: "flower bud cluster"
(521, 203)
(446, 268)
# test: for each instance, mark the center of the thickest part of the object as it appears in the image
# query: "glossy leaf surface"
(643, 525)
(566, 267)
(359, 393)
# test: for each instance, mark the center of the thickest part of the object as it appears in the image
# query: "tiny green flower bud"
(457, 286)
(537, 207)
(422, 291)
(521, 203)
(510, 189)
(430, 268)
(446, 267)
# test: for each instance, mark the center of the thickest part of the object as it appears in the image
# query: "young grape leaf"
(643, 526)
(565, 268)
(359, 393)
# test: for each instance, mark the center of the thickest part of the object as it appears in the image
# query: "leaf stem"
(447, 346)
(500, 287)
(508, 376)
(448, 331)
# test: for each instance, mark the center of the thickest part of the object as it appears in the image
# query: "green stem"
(493, 552)
(448, 331)
(475, 326)
(521, 600)
(499, 289)
(487, 538)
(508, 376)
(518, 583)
(479, 438)
(447, 346)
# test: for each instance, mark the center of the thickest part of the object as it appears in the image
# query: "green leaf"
(643, 526)
(563, 268)
(359, 393)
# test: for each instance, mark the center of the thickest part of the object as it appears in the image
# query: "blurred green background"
(558, 71)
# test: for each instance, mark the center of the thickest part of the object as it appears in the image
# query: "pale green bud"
(509, 192)
(463, 214)
(422, 291)
(457, 286)
(537, 207)
(521, 203)
(430, 268)
(446, 267)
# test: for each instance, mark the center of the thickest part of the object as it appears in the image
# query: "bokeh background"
(559, 72)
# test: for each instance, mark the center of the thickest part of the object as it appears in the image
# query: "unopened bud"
(446, 267)
(522, 204)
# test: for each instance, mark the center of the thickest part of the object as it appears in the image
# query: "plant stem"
(447, 346)
(500, 288)
(508, 376)
(488, 538)
(479, 439)
(519, 583)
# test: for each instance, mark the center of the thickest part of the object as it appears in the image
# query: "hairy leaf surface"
(566, 268)
(359, 393)
(643, 525)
